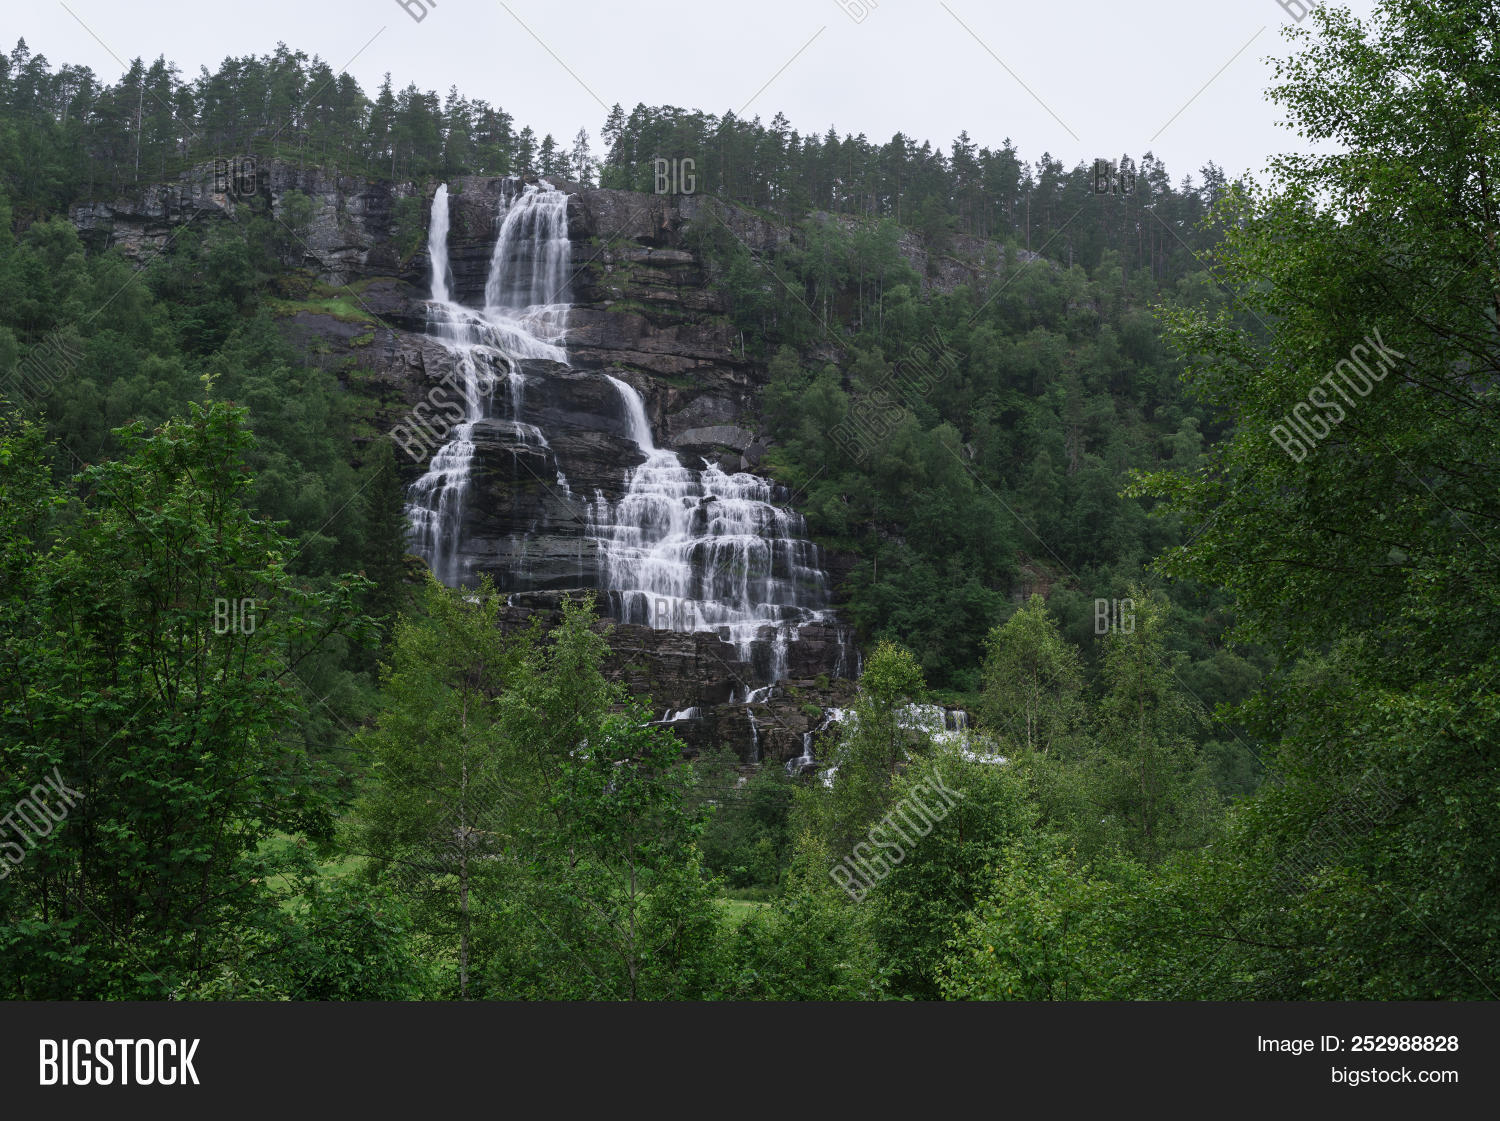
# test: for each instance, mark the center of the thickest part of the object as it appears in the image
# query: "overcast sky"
(1077, 78)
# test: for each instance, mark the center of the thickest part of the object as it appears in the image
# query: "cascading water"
(699, 549)
(946, 727)
(684, 548)
(524, 318)
(807, 761)
(526, 290)
(437, 245)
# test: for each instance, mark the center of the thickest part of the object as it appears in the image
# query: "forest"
(1186, 503)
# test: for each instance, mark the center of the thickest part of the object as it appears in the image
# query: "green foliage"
(65, 130)
(342, 942)
(1044, 931)
(152, 665)
(864, 758)
(618, 906)
(100, 346)
(747, 839)
(942, 872)
(1033, 684)
(406, 226)
(544, 842)
(967, 442)
(609, 901)
(1366, 544)
(384, 528)
(812, 944)
(351, 944)
(432, 812)
(1150, 783)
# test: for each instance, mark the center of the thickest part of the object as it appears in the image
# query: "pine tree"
(526, 151)
(582, 163)
(547, 157)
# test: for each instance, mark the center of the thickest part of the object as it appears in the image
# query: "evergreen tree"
(581, 164)
(548, 158)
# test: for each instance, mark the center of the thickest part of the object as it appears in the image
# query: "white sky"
(1101, 78)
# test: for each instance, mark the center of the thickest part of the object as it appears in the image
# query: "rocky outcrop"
(632, 243)
(345, 233)
(725, 435)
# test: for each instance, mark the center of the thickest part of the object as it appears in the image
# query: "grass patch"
(334, 868)
(342, 307)
(738, 910)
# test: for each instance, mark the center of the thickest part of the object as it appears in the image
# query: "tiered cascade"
(698, 549)
(524, 317)
(681, 548)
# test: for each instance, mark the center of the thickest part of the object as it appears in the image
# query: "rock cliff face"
(347, 236)
(643, 311)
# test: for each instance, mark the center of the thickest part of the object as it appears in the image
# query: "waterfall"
(435, 501)
(807, 761)
(524, 318)
(696, 549)
(947, 727)
(941, 725)
(527, 286)
(685, 547)
(437, 245)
